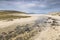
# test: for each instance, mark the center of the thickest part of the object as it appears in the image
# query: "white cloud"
(31, 6)
(24, 5)
(43, 5)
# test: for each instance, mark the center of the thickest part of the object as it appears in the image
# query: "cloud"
(30, 5)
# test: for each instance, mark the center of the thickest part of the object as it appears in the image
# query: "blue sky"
(31, 6)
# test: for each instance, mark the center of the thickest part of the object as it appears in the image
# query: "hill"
(55, 13)
(35, 27)
(10, 12)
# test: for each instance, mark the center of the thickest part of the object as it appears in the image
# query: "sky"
(31, 6)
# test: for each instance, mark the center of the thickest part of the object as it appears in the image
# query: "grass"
(14, 32)
(5, 14)
(19, 34)
(12, 17)
(4, 17)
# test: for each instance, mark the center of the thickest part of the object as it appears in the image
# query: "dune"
(51, 32)
(48, 24)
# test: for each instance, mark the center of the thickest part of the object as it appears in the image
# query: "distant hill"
(55, 13)
(10, 12)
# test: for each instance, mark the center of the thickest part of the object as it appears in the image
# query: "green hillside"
(7, 14)
(10, 12)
